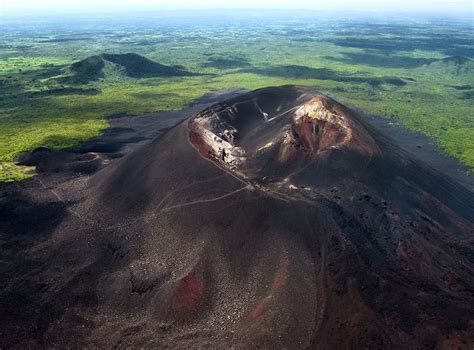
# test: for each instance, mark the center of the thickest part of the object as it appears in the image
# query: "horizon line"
(103, 11)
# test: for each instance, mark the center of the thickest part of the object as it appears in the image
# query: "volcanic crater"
(260, 141)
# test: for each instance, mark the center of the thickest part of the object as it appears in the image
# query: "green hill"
(456, 66)
(88, 69)
(130, 65)
(137, 66)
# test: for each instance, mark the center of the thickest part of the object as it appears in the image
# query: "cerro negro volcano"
(276, 219)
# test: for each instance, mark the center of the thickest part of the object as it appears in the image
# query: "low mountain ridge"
(456, 66)
(131, 65)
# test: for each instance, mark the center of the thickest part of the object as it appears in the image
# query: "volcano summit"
(275, 219)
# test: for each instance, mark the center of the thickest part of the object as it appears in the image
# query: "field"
(60, 79)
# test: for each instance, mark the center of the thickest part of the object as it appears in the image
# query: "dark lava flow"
(276, 219)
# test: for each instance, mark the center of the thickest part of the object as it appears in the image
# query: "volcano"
(275, 219)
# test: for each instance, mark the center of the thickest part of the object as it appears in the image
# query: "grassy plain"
(418, 72)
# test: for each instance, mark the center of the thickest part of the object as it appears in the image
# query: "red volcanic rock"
(188, 293)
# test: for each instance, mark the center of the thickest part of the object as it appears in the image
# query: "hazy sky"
(15, 7)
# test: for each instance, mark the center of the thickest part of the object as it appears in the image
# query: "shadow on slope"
(456, 66)
(378, 60)
(304, 72)
(226, 62)
(446, 44)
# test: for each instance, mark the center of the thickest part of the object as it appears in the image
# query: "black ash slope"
(324, 235)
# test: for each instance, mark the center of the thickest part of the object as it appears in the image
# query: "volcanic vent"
(313, 126)
(270, 142)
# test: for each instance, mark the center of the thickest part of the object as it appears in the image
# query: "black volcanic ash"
(276, 219)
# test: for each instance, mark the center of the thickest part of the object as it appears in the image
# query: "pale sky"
(15, 7)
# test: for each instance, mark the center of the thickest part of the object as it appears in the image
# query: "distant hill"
(458, 66)
(88, 69)
(137, 66)
(130, 64)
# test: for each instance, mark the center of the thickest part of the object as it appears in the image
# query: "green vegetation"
(57, 89)
(130, 65)
(87, 70)
(137, 66)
